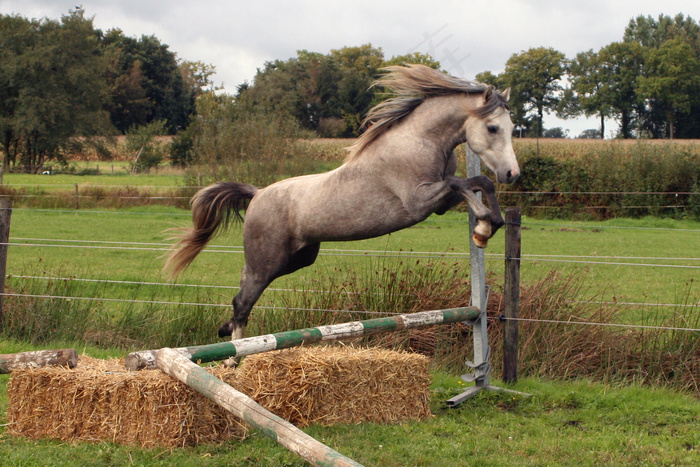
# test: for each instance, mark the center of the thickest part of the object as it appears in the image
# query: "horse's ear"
(488, 94)
(506, 94)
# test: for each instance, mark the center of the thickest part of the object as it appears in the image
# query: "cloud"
(466, 37)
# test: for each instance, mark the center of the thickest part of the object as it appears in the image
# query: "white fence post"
(480, 365)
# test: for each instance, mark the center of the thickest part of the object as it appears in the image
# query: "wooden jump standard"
(180, 367)
(146, 359)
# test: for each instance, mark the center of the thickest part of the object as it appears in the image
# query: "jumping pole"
(38, 359)
(245, 408)
(146, 359)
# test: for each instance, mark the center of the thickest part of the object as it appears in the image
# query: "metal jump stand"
(480, 366)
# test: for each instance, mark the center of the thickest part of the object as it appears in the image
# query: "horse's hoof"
(226, 329)
(480, 241)
(231, 362)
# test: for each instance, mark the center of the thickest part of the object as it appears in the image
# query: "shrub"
(143, 143)
(605, 179)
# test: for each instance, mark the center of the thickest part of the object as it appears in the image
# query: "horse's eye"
(493, 129)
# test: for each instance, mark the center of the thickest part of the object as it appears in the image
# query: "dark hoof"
(226, 329)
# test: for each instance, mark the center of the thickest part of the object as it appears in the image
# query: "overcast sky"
(467, 37)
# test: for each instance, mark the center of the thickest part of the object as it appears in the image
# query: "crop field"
(90, 278)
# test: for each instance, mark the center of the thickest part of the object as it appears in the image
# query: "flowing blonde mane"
(411, 85)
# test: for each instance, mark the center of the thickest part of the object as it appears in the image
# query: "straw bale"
(339, 384)
(99, 400)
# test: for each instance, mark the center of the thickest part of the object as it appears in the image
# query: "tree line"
(63, 79)
(649, 81)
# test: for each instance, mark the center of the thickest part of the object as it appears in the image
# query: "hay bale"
(99, 401)
(336, 385)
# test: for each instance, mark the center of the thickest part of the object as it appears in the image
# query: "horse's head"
(489, 133)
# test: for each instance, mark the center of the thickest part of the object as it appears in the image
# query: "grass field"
(649, 261)
(617, 257)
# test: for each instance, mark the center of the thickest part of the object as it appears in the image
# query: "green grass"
(576, 423)
(120, 177)
(579, 241)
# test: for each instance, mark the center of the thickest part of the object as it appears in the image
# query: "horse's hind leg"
(249, 293)
(243, 303)
(254, 283)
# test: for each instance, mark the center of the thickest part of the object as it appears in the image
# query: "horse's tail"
(212, 208)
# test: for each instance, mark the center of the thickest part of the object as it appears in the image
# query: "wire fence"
(43, 190)
(553, 201)
(88, 244)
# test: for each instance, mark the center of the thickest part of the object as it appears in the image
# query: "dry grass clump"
(549, 347)
(338, 384)
(99, 400)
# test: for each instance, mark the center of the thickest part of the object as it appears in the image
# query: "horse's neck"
(438, 121)
(432, 130)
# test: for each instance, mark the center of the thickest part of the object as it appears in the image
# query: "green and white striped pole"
(146, 359)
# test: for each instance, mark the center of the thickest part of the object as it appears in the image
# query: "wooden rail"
(245, 408)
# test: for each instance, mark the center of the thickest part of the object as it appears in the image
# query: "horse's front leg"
(489, 219)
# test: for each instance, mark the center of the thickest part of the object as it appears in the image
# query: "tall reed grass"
(561, 350)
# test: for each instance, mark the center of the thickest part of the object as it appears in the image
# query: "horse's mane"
(411, 85)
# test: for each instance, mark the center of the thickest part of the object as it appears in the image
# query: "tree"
(589, 80)
(487, 77)
(622, 63)
(359, 67)
(591, 133)
(55, 73)
(672, 79)
(146, 76)
(534, 78)
(16, 35)
(197, 76)
(660, 116)
(652, 33)
(557, 132)
(604, 84)
(416, 58)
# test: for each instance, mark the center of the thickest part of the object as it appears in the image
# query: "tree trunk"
(625, 124)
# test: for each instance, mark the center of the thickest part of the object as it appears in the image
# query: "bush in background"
(600, 180)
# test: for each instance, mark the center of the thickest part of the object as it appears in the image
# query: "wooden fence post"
(511, 295)
(5, 215)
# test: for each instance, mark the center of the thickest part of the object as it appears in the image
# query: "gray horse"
(399, 172)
